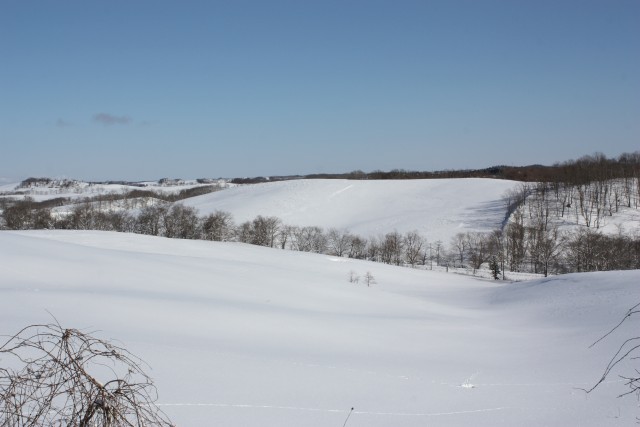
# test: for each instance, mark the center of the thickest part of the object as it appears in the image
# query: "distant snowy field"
(437, 208)
(240, 335)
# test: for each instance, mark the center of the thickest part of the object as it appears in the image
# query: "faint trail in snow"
(296, 408)
(242, 405)
(467, 384)
(340, 191)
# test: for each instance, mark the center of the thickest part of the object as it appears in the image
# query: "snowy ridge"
(246, 335)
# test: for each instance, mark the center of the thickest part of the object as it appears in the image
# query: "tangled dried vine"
(51, 376)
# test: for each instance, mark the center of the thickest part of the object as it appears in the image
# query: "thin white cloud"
(109, 119)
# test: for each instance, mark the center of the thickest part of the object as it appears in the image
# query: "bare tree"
(64, 377)
(413, 244)
(284, 236)
(149, 219)
(545, 245)
(392, 248)
(439, 251)
(338, 241)
(373, 249)
(244, 232)
(477, 248)
(357, 247)
(121, 221)
(584, 250)
(265, 230)
(181, 222)
(82, 217)
(309, 239)
(515, 241)
(218, 226)
(369, 279)
(459, 242)
(353, 277)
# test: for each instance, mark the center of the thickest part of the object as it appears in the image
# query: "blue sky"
(138, 90)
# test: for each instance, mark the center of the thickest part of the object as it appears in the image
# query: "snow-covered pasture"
(436, 208)
(242, 335)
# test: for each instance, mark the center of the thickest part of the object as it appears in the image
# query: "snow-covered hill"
(438, 209)
(249, 336)
(46, 189)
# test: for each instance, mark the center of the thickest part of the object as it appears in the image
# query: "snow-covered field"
(240, 335)
(437, 208)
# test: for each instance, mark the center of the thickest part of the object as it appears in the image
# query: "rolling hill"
(245, 335)
(438, 209)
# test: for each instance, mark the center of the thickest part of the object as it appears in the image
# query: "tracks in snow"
(342, 411)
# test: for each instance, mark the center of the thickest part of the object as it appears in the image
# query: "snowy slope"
(249, 336)
(438, 209)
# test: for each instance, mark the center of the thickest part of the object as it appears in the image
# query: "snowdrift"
(249, 336)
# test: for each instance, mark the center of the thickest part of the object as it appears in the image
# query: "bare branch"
(628, 350)
(56, 376)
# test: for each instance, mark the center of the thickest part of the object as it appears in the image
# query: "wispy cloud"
(109, 119)
(61, 123)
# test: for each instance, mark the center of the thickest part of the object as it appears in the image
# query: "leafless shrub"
(369, 279)
(353, 277)
(52, 376)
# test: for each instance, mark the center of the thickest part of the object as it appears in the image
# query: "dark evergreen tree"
(495, 268)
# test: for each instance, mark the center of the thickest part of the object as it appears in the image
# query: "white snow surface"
(436, 208)
(241, 335)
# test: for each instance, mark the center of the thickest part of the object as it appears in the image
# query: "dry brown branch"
(628, 350)
(50, 376)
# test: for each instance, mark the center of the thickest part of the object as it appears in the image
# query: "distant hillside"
(437, 209)
(583, 216)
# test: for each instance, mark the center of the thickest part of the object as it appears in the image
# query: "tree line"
(584, 194)
(521, 246)
(130, 199)
(583, 169)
